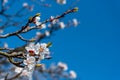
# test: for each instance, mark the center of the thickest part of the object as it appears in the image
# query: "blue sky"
(93, 48)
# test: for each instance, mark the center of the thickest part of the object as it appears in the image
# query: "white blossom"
(25, 73)
(37, 19)
(73, 74)
(1, 31)
(18, 69)
(43, 26)
(43, 50)
(47, 33)
(75, 22)
(5, 45)
(62, 25)
(39, 49)
(63, 66)
(37, 23)
(53, 20)
(32, 48)
(30, 62)
(38, 33)
(61, 1)
(25, 4)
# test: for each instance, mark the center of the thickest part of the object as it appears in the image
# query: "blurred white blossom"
(4, 2)
(25, 73)
(75, 22)
(43, 26)
(38, 33)
(61, 1)
(72, 74)
(5, 45)
(53, 20)
(1, 31)
(25, 4)
(47, 33)
(18, 69)
(30, 62)
(38, 23)
(43, 50)
(37, 19)
(63, 66)
(62, 25)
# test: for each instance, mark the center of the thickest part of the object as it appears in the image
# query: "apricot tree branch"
(22, 30)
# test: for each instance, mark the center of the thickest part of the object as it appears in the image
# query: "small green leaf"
(30, 19)
(49, 44)
(37, 15)
(75, 9)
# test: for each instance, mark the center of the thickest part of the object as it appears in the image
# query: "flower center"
(31, 52)
(41, 49)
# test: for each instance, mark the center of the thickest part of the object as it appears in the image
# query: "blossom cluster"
(54, 70)
(54, 22)
(59, 69)
(35, 53)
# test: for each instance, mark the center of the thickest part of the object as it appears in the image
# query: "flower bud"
(75, 9)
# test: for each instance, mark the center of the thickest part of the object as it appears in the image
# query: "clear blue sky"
(93, 48)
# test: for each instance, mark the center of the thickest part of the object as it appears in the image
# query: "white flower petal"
(63, 65)
(25, 62)
(47, 33)
(43, 26)
(38, 23)
(43, 45)
(28, 48)
(75, 22)
(25, 4)
(18, 70)
(42, 56)
(31, 44)
(37, 19)
(47, 50)
(62, 25)
(73, 74)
